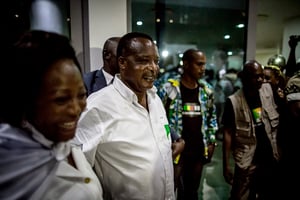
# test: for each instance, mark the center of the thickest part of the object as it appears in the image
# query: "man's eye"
(142, 60)
(61, 100)
(260, 76)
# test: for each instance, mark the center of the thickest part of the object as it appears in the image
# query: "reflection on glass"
(206, 25)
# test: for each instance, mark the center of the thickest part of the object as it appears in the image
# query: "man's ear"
(122, 62)
(106, 54)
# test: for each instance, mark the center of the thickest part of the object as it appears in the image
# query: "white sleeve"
(88, 133)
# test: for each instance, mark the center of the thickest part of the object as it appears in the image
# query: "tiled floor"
(213, 185)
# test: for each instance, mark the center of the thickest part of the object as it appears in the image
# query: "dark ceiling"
(207, 22)
(271, 18)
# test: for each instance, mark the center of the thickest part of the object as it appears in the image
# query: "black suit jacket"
(94, 81)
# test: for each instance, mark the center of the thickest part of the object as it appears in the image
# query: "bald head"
(109, 55)
(250, 66)
(252, 74)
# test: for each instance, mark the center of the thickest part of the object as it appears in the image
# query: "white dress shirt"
(129, 147)
(80, 183)
(108, 77)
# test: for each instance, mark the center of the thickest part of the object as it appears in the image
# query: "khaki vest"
(244, 140)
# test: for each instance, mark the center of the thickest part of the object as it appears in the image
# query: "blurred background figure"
(227, 85)
(218, 68)
(219, 63)
(102, 77)
(277, 60)
(293, 64)
(288, 138)
(274, 74)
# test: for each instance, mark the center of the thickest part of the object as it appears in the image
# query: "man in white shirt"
(124, 130)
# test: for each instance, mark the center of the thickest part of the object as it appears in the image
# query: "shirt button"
(87, 180)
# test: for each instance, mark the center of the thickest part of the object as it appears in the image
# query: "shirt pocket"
(243, 134)
(273, 116)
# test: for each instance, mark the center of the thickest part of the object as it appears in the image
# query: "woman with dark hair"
(44, 97)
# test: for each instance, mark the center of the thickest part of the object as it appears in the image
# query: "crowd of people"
(119, 133)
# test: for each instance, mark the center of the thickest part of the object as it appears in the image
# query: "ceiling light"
(226, 37)
(164, 53)
(229, 53)
(139, 23)
(240, 25)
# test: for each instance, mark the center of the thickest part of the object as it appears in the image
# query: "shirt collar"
(61, 150)
(108, 77)
(127, 93)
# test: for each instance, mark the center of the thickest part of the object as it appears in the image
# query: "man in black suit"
(102, 77)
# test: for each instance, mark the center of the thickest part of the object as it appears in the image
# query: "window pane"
(179, 25)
